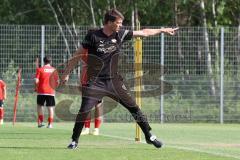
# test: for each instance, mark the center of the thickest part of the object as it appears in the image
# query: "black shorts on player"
(1, 103)
(46, 99)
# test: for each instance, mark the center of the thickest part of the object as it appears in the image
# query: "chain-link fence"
(201, 65)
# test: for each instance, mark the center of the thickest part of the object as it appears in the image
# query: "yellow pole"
(138, 77)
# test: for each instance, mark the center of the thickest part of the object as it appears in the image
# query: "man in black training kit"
(102, 77)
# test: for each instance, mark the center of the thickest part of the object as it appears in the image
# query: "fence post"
(42, 44)
(138, 53)
(162, 78)
(222, 77)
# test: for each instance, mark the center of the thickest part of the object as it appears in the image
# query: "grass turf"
(182, 142)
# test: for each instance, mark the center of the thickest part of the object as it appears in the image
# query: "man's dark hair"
(47, 60)
(111, 15)
(92, 29)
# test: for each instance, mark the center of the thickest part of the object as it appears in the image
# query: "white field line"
(208, 152)
(171, 146)
(178, 147)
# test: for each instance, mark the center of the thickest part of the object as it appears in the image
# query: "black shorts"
(98, 101)
(50, 100)
(1, 103)
(114, 88)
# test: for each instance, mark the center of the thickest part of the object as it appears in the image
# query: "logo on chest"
(107, 47)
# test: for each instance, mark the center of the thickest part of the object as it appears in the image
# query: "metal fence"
(201, 65)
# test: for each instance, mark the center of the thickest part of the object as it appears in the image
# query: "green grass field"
(182, 142)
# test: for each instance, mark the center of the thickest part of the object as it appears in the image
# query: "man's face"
(116, 25)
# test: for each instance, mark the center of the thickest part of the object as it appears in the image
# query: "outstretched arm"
(152, 32)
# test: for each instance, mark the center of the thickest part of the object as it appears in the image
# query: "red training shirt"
(2, 85)
(48, 80)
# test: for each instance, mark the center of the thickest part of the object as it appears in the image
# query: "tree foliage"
(150, 13)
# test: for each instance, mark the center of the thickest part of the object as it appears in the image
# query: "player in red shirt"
(97, 121)
(98, 107)
(46, 81)
(3, 96)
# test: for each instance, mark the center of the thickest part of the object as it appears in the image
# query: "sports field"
(25, 141)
